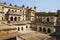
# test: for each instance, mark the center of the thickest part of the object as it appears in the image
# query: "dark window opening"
(18, 29)
(49, 31)
(8, 10)
(15, 19)
(47, 19)
(12, 10)
(40, 29)
(26, 26)
(18, 18)
(2, 18)
(21, 28)
(11, 18)
(44, 29)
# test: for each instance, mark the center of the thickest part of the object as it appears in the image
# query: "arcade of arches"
(14, 18)
(45, 29)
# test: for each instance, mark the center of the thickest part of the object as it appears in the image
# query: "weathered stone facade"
(18, 20)
(20, 17)
(48, 22)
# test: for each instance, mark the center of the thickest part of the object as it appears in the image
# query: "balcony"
(19, 22)
(46, 23)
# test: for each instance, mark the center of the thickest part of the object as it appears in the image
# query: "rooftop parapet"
(5, 3)
(34, 7)
(23, 6)
(10, 4)
(27, 6)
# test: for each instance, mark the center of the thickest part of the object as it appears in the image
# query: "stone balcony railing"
(47, 24)
(19, 22)
(14, 22)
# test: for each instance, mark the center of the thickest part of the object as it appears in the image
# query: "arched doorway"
(49, 30)
(11, 19)
(47, 19)
(44, 29)
(15, 19)
(40, 29)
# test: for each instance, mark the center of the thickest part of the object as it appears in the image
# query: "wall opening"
(40, 29)
(49, 31)
(21, 28)
(26, 26)
(2, 18)
(11, 19)
(18, 18)
(47, 19)
(15, 19)
(18, 29)
(44, 29)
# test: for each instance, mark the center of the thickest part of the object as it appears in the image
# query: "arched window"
(49, 30)
(11, 19)
(21, 28)
(12, 10)
(18, 29)
(44, 29)
(40, 29)
(8, 10)
(18, 18)
(47, 19)
(15, 19)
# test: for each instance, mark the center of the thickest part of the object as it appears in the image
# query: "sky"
(41, 5)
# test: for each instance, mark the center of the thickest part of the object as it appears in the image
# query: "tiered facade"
(18, 19)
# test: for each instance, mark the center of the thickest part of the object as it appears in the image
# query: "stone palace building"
(49, 23)
(16, 20)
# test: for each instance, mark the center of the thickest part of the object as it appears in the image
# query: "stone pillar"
(42, 29)
(55, 20)
(13, 18)
(53, 30)
(9, 18)
(17, 18)
(37, 28)
(46, 30)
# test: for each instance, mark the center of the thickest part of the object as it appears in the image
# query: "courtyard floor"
(33, 35)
